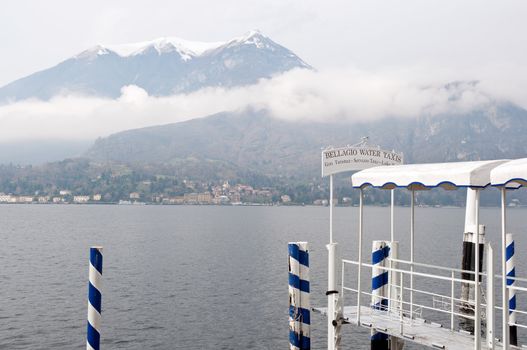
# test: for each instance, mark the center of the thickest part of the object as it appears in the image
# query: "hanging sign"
(351, 158)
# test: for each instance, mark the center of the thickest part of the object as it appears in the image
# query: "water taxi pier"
(435, 306)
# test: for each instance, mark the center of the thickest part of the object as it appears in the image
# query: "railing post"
(491, 328)
(452, 300)
(393, 290)
(401, 314)
(341, 300)
(93, 338)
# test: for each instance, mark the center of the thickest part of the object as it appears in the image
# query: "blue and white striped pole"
(299, 305)
(511, 272)
(93, 338)
(379, 289)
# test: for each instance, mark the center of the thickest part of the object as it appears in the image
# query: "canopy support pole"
(412, 233)
(392, 239)
(392, 205)
(359, 291)
(504, 290)
(477, 294)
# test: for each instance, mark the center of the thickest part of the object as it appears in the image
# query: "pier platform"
(417, 331)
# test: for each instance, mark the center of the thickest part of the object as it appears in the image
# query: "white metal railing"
(443, 300)
(406, 310)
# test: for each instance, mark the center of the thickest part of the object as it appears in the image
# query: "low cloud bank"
(343, 95)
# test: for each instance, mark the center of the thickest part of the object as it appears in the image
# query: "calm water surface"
(191, 277)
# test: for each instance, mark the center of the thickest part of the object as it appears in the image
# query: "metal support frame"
(445, 275)
(490, 336)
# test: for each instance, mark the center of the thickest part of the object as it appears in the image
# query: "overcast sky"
(366, 34)
(373, 59)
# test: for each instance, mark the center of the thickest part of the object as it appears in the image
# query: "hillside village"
(224, 194)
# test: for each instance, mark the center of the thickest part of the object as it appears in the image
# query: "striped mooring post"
(93, 338)
(379, 290)
(511, 272)
(299, 305)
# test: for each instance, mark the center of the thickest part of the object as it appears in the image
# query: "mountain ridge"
(256, 141)
(161, 67)
(166, 44)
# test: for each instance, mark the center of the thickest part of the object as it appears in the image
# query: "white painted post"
(391, 264)
(332, 277)
(392, 215)
(332, 293)
(477, 295)
(359, 291)
(412, 232)
(505, 290)
(331, 209)
(491, 329)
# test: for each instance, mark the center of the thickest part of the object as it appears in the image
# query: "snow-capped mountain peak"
(186, 48)
(253, 37)
(93, 52)
(161, 67)
(164, 45)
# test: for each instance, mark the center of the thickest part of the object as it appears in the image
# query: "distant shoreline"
(251, 205)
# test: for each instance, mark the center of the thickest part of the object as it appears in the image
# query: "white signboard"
(338, 160)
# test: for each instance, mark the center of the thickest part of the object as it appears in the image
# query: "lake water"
(192, 277)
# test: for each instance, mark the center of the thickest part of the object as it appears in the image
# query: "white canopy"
(512, 174)
(424, 176)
